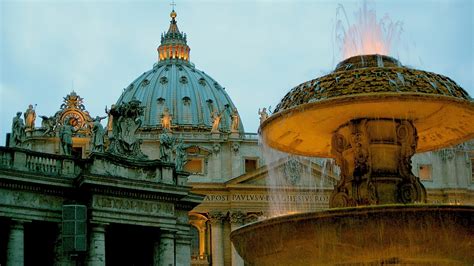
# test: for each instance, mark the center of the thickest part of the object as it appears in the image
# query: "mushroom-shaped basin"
(373, 87)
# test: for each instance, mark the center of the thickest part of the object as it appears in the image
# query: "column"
(97, 245)
(163, 251)
(236, 220)
(183, 249)
(217, 241)
(16, 241)
(202, 243)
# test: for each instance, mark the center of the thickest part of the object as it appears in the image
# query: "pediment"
(287, 173)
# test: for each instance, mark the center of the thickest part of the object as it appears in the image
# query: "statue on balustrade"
(98, 133)
(166, 145)
(263, 114)
(126, 121)
(181, 155)
(166, 119)
(30, 117)
(110, 118)
(18, 131)
(65, 136)
(216, 120)
(235, 121)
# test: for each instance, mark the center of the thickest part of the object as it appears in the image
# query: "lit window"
(194, 166)
(425, 172)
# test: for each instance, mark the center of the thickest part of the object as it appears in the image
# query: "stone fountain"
(372, 115)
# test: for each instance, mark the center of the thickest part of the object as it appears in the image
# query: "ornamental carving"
(367, 172)
(73, 113)
(216, 217)
(371, 80)
(237, 217)
(124, 141)
(293, 170)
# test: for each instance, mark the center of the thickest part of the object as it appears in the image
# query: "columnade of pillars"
(172, 248)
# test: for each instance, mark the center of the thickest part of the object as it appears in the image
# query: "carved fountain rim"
(417, 100)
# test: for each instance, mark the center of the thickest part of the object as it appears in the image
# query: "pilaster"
(236, 221)
(217, 242)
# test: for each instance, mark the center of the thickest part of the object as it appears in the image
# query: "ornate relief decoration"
(72, 112)
(216, 217)
(237, 217)
(293, 170)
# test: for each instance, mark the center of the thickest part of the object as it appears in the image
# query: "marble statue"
(166, 145)
(235, 121)
(263, 114)
(18, 131)
(65, 137)
(98, 133)
(110, 117)
(181, 155)
(126, 121)
(166, 119)
(30, 117)
(216, 119)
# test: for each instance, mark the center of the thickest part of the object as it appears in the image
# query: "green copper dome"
(175, 86)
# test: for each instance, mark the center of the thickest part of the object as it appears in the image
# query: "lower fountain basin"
(392, 234)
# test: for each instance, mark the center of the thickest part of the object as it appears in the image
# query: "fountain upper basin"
(372, 87)
(427, 234)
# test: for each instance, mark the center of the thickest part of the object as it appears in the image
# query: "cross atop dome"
(173, 43)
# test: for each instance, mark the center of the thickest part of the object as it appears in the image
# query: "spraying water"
(297, 184)
(368, 35)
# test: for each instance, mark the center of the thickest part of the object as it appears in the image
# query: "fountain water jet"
(371, 114)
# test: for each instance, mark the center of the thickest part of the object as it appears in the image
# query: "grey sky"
(258, 50)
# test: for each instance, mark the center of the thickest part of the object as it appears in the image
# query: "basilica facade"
(166, 176)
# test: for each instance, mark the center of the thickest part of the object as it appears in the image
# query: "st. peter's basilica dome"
(191, 97)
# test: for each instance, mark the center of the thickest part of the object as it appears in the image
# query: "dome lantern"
(173, 43)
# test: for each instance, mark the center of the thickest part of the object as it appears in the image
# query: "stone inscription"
(268, 198)
(133, 205)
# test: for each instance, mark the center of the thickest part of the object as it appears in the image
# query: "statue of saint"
(65, 137)
(18, 131)
(166, 144)
(235, 121)
(110, 117)
(166, 119)
(30, 117)
(181, 155)
(98, 132)
(216, 119)
(263, 114)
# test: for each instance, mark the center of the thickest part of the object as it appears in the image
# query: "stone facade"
(114, 192)
(141, 208)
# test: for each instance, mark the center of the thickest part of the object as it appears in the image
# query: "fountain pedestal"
(375, 160)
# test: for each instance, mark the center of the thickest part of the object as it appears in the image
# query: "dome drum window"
(183, 80)
(186, 100)
(163, 80)
(202, 81)
(145, 82)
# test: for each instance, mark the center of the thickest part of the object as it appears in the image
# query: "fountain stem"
(375, 160)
